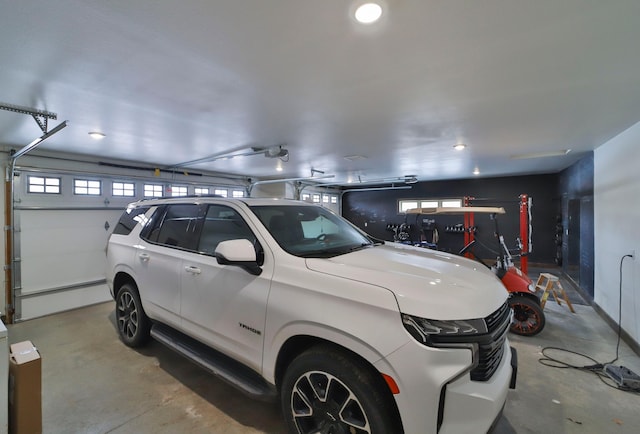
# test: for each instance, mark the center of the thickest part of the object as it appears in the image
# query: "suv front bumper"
(437, 394)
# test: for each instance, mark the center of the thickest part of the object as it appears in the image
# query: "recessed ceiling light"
(279, 169)
(368, 13)
(476, 171)
(97, 135)
(459, 146)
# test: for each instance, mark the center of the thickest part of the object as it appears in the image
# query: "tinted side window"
(129, 219)
(222, 223)
(176, 225)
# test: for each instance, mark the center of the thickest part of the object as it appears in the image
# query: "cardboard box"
(25, 389)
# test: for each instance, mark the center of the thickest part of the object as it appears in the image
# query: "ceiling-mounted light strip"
(540, 154)
(354, 157)
(97, 135)
(407, 179)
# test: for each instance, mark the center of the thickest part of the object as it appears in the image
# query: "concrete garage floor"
(92, 383)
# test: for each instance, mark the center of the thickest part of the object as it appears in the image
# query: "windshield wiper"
(336, 251)
(375, 241)
(362, 246)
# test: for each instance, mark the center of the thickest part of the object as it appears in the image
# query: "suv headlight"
(441, 332)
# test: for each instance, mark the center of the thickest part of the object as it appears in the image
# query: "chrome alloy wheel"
(321, 403)
(127, 314)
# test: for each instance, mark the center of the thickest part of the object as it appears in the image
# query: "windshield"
(311, 231)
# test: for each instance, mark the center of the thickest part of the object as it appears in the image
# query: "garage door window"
(153, 190)
(405, 205)
(87, 187)
(178, 190)
(126, 189)
(43, 184)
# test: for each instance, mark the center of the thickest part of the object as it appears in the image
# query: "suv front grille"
(491, 345)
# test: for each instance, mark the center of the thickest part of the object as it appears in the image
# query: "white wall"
(617, 227)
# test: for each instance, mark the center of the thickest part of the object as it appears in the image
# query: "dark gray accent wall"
(372, 211)
(575, 187)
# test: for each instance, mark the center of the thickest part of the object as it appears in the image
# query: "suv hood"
(426, 283)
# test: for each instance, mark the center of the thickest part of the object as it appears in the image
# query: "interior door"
(573, 241)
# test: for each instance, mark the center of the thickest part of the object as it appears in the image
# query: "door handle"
(191, 269)
(144, 256)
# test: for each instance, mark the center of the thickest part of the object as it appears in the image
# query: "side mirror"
(240, 253)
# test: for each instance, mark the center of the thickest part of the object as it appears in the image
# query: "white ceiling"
(174, 81)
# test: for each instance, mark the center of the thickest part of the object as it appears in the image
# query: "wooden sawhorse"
(550, 284)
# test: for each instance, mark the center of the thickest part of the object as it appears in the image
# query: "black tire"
(133, 324)
(325, 390)
(528, 316)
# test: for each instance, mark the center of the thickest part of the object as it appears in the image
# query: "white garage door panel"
(62, 258)
(46, 304)
(60, 248)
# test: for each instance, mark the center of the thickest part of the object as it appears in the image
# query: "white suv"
(286, 300)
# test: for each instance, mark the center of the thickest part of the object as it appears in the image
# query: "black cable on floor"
(595, 367)
(620, 308)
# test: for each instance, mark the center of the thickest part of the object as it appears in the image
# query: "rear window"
(129, 219)
(177, 225)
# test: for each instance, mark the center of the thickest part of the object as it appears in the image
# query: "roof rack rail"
(189, 196)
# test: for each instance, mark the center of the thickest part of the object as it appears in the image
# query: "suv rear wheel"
(325, 390)
(133, 324)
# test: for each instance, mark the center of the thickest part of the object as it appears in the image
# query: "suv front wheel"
(325, 390)
(133, 324)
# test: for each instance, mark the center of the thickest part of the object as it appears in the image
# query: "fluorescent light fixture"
(476, 171)
(540, 154)
(368, 13)
(354, 157)
(459, 146)
(97, 135)
(410, 179)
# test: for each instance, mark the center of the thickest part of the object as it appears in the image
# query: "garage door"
(61, 259)
(62, 221)
(59, 245)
